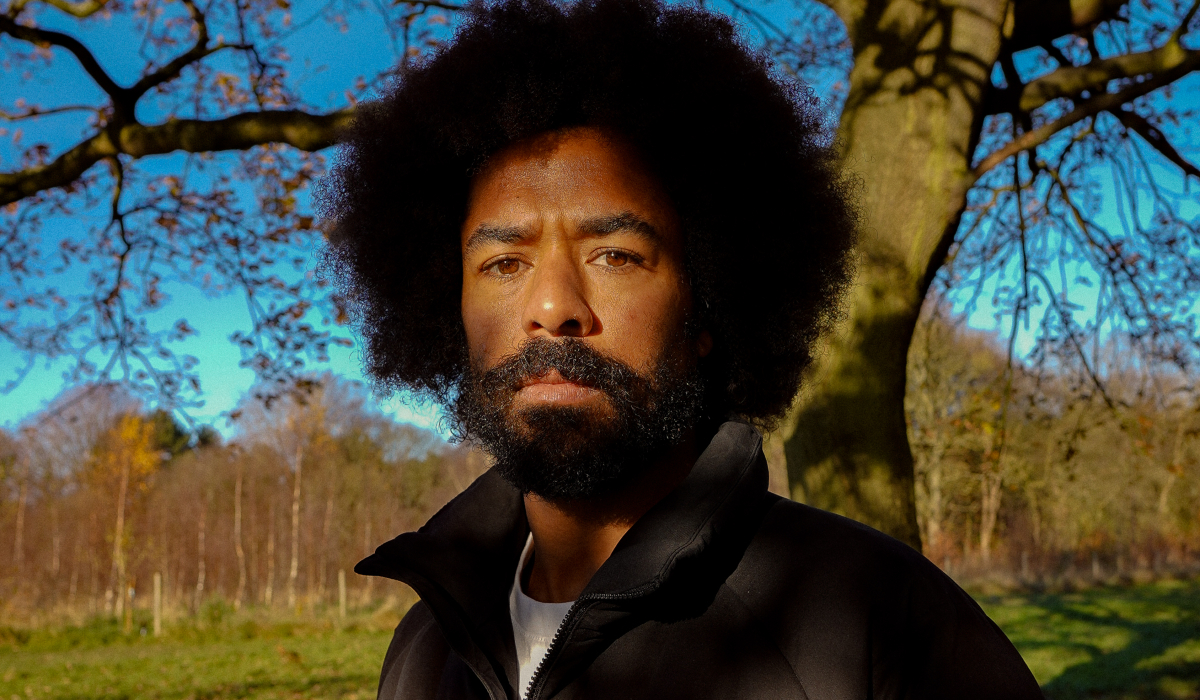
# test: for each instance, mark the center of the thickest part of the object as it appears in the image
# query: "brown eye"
(508, 267)
(615, 258)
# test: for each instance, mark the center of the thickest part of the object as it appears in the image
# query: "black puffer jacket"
(722, 590)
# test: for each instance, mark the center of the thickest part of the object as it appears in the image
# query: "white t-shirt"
(534, 624)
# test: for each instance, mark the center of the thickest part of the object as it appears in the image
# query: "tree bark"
(19, 529)
(294, 568)
(269, 589)
(201, 555)
(119, 546)
(325, 527)
(910, 125)
(989, 510)
(237, 538)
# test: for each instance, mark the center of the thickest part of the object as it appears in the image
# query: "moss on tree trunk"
(911, 121)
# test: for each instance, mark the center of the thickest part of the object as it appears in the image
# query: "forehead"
(571, 175)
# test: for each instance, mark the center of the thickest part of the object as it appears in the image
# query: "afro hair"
(768, 217)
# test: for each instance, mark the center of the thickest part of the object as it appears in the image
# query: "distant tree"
(168, 434)
(983, 134)
(122, 462)
(1028, 460)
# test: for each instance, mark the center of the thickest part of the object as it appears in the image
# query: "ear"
(704, 343)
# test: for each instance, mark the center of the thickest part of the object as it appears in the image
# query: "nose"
(557, 302)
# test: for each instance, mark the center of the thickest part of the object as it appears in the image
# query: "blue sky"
(326, 61)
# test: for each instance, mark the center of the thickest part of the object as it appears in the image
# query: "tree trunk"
(294, 569)
(200, 557)
(117, 595)
(1173, 471)
(989, 510)
(73, 586)
(367, 549)
(19, 530)
(325, 527)
(269, 589)
(55, 544)
(237, 539)
(911, 121)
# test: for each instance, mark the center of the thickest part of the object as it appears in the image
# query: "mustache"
(575, 360)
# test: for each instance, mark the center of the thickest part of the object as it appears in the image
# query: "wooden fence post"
(157, 604)
(342, 593)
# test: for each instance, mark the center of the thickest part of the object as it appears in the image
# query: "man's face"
(575, 302)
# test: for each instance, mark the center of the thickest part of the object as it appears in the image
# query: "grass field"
(1113, 643)
(1107, 643)
(242, 660)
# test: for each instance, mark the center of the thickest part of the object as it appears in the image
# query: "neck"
(572, 539)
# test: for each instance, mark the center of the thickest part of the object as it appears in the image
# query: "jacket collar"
(462, 562)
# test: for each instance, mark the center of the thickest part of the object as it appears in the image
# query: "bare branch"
(1065, 318)
(123, 99)
(35, 35)
(1073, 81)
(82, 9)
(849, 11)
(173, 68)
(1106, 102)
(1187, 20)
(39, 112)
(308, 132)
(1155, 137)
(1036, 22)
(433, 3)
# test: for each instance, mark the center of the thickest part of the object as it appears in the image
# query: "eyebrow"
(625, 221)
(487, 233)
(595, 226)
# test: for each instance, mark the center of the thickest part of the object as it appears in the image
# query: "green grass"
(1141, 642)
(242, 660)
(1101, 644)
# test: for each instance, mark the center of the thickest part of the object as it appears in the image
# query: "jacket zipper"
(538, 681)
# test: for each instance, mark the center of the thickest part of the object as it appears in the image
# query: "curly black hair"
(768, 217)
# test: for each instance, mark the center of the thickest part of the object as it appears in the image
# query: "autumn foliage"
(97, 496)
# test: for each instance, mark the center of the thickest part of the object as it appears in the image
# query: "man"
(606, 237)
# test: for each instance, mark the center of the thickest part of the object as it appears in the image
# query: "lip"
(552, 387)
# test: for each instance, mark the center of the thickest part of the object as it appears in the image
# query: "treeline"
(1047, 472)
(1021, 469)
(99, 496)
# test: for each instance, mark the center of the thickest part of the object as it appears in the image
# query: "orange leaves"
(125, 450)
(230, 92)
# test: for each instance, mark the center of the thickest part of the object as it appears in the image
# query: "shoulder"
(841, 594)
(415, 658)
(826, 574)
(797, 543)
(808, 557)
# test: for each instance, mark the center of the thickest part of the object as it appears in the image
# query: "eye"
(505, 267)
(615, 258)
(619, 258)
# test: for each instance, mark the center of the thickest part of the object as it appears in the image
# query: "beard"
(568, 453)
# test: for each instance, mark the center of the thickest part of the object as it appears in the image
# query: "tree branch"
(849, 11)
(1155, 137)
(35, 35)
(82, 9)
(38, 112)
(308, 132)
(433, 3)
(1036, 22)
(1072, 81)
(1106, 102)
(173, 68)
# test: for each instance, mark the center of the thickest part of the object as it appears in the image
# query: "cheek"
(488, 322)
(645, 324)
